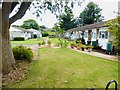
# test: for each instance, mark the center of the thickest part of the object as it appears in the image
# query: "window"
(103, 34)
(94, 35)
(106, 35)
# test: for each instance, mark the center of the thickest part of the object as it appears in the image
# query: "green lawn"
(65, 68)
(27, 42)
(34, 41)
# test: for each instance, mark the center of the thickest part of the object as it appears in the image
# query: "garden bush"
(22, 53)
(63, 43)
(19, 39)
(45, 34)
(49, 42)
(66, 43)
(78, 40)
(43, 42)
(39, 43)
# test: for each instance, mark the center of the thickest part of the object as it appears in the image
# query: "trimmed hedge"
(19, 39)
(45, 34)
(22, 53)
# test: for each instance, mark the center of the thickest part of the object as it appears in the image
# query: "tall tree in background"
(91, 14)
(9, 7)
(59, 31)
(66, 20)
(30, 23)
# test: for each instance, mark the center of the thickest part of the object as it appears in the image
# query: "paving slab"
(97, 54)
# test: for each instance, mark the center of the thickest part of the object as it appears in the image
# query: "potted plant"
(83, 47)
(39, 44)
(89, 48)
(79, 46)
(72, 45)
(43, 42)
(49, 43)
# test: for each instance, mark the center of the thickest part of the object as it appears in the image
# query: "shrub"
(19, 39)
(83, 46)
(78, 41)
(65, 45)
(22, 53)
(45, 34)
(43, 42)
(49, 42)
(58, 44)
(39, 43)
(89, 47)
(72, 43)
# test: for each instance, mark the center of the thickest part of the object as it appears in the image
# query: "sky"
(48, 19)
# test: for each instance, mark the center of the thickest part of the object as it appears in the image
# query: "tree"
(59, 30)
(91, 14)
(114, 31)
(7, 8)
(7, 54)
(66, 20)
(28, 24)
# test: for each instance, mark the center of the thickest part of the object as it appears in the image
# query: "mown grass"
(64, 68)
(27, 42)
(34, 41)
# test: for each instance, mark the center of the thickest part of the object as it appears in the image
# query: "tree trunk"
(7, 54)
(0, 48)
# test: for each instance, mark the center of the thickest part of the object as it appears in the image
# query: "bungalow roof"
(13, 28)
(89, 27)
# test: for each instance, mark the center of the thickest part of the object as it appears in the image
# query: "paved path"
(35, 50)
(97, 54)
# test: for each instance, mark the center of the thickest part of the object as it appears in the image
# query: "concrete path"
(97, 54)
(35, 50)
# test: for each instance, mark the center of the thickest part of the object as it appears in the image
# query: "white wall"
(67, 34)
(39, 35)
(14, 32)
(94, 35)
(86, 35)
(103, 41)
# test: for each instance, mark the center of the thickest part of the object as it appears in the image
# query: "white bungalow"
(93, 32)
(73, 34)
(35, 33)
(21, 32)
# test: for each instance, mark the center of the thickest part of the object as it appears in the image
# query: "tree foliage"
(66, 20)
(91, 14)
(58, 29)
(114, 30)
(30, 23)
